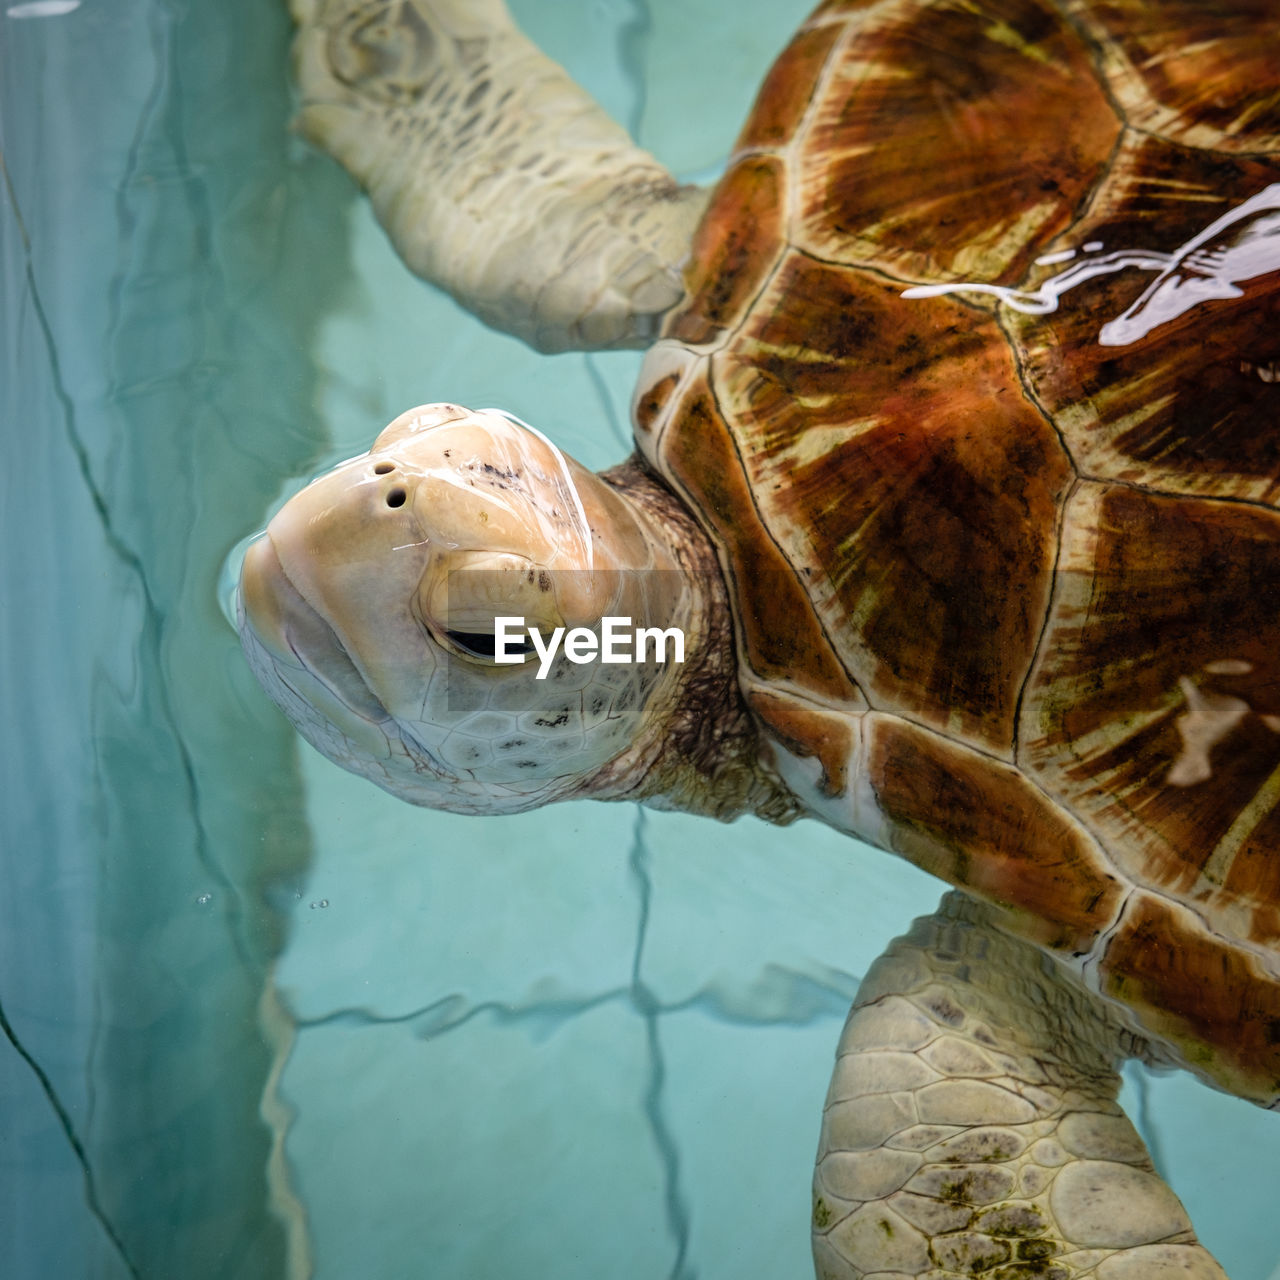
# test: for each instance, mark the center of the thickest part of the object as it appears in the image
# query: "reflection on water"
(1241, 245)
(258, 1019)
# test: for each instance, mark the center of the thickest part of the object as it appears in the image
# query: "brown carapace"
(1035, 568)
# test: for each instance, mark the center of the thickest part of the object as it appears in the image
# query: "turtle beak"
(292, 635)
(264, 596)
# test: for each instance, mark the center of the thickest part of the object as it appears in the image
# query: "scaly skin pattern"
(971, 1127)
(496, 176)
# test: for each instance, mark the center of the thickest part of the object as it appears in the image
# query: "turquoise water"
(259, 1019)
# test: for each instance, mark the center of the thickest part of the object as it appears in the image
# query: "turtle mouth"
(289, 633)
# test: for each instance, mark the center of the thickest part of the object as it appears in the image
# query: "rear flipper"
(972, 1127)
(494, 174)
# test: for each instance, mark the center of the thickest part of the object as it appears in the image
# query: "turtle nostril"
(396, 496)
(383, 467)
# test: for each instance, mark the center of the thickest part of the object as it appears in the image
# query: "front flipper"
(494, 174)
(972, 1127)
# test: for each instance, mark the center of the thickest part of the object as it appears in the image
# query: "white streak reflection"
(1241, 245)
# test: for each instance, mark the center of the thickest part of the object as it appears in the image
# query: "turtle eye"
(481, 644)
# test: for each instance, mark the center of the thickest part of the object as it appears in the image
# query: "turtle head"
(445, 613)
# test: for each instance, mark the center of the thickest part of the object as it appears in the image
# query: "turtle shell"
(976, 387)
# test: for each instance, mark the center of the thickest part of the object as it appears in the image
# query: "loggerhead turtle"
(956, 577)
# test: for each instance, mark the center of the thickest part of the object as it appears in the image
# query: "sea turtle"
(974, 558)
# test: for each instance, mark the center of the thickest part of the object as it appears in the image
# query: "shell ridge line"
(764, 525)
(1063, 503)
(1033, 399)
(1038, 649)
(1227, 499)
(1079, 23)
(793, 153)
(1028, 769)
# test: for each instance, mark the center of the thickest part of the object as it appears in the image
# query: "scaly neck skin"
(701, 751)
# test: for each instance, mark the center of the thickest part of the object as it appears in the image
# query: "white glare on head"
(583, 528)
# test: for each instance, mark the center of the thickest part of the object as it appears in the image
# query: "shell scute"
(789, 88)
(894, 457)
(808, 731)
(1199, 993)
(1192, 406)
(1154, 708)
(982, 825)
(738, 241)
(951, 138)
